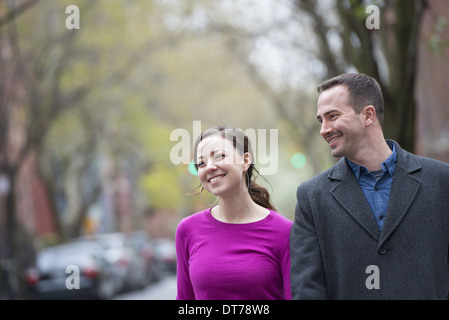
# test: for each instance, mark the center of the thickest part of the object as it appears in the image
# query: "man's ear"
(369, 115)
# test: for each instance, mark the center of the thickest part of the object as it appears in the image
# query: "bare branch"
(321, 31)
(15, 12)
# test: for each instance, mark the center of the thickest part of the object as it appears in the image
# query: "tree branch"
(15, 12)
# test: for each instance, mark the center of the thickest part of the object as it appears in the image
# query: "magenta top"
(225, 261)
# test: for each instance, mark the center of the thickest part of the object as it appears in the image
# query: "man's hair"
(363, 91)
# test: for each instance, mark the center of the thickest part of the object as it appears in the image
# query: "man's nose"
(325, 129)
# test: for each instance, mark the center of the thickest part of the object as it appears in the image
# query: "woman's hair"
(241, 143)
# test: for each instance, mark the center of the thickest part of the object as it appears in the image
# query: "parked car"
(145, 247)
(73, 270)
(165, 251)
(128, 265)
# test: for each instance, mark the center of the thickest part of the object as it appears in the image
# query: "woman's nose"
(210, 165)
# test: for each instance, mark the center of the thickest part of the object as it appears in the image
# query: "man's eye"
(201, 164)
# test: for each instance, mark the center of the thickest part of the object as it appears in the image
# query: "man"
(376, 224)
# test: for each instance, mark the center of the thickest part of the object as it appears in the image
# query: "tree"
(329, 38)
(388, 54)
(32, 97)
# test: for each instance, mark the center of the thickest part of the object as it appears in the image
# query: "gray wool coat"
(338, 252)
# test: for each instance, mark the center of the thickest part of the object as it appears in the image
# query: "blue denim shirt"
(377, 191)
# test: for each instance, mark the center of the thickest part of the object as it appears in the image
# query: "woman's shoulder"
(194, 219)
(280, 230)
(281, 219)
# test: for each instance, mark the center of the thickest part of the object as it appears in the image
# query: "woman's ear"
(247, 160)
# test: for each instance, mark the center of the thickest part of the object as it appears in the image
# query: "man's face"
(341, 127)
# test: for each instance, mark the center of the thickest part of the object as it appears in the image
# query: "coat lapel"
(404, 189)
(348, 194)
(403, 192)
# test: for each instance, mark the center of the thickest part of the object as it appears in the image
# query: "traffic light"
(298, 160)
(192, 169)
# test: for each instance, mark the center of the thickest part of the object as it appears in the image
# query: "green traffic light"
(192, 169)
(298, 160)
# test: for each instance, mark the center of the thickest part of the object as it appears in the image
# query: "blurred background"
(86, 116)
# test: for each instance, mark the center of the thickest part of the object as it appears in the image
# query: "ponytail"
(258, 193)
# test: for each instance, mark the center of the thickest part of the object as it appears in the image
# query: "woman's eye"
(201, 164)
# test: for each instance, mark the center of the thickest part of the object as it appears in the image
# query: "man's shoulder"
(319, 179)
(431, 162)
(433, 169)
(413, 161)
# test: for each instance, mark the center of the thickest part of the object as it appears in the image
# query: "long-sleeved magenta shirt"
(224, 261)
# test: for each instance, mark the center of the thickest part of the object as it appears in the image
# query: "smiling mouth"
(215, 179)
(335, 138)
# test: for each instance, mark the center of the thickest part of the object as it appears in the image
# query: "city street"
(165, 289)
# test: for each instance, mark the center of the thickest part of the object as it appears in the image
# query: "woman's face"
(221, 168)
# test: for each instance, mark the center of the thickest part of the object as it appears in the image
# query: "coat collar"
(348, 194)
(406, 161)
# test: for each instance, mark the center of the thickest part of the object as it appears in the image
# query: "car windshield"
(62, 256)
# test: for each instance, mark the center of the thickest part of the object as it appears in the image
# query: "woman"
(238, 249)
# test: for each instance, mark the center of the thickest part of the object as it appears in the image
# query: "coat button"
(383, 250)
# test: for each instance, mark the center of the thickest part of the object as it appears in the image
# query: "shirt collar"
(388, 165)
